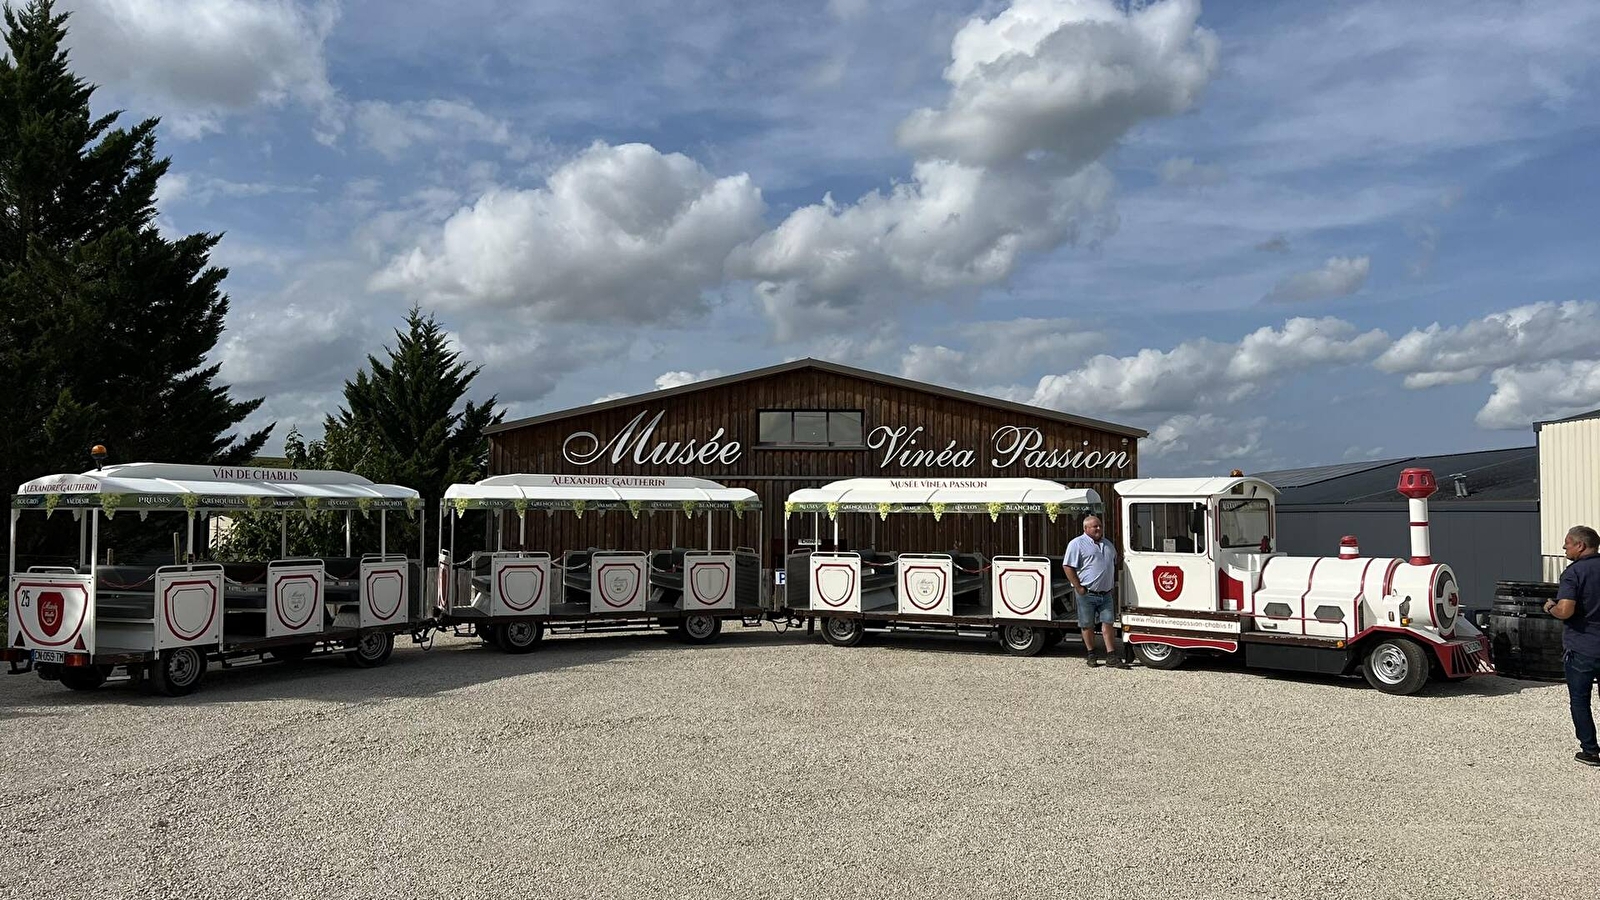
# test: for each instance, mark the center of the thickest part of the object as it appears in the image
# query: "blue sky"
(1273, 235)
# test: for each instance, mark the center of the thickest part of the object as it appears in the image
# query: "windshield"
(1243, 523)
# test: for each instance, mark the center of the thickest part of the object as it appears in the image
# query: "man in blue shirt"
(1091, 565)
(1578, 604)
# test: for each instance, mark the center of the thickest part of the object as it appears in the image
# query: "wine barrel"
(1526, 639)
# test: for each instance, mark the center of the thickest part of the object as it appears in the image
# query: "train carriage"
(512, 596)
(1018, 598)
(165, 623)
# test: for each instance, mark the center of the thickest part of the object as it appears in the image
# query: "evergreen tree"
(404, 423)
(105, 325)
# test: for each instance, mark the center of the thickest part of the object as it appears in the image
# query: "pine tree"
(105, 325)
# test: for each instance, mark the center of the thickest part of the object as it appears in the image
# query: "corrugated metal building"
(1569, 483)
(1484, 519)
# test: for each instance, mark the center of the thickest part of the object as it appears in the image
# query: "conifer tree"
(105, 324)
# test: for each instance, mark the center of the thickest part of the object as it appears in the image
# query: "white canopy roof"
(953, 494)
(599, 492)
(156, 486)
(1195, 487)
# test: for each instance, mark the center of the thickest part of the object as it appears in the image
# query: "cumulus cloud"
(1523, 335)
(678, 379)
(952, 227)
(620, 233)
(1552, 390)
(996, 352)
(1185, 172)
(1067, 78)
(1203, 372)
(394, 128)
(1205, 440)
(1340, 276)
(204, 59)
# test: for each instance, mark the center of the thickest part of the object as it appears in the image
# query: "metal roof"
(1591, 414)
(1511, 474)
(833, 369)
(957, 494)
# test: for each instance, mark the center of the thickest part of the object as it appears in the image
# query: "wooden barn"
(804, 424)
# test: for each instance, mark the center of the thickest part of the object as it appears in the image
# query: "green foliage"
(107, 323)
(408, 422)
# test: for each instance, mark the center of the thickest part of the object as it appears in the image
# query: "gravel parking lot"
(776, 766)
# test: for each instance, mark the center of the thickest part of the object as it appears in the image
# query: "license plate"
(49, 656)
(1473, 647)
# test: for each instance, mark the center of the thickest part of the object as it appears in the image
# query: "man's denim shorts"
(1093, 607)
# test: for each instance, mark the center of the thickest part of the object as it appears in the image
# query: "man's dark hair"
(1585, 535)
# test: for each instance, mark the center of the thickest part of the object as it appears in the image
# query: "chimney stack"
(1418, 485)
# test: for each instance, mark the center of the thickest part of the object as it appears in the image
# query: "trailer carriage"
(165, 623)
(1020, 599)
(510, 597)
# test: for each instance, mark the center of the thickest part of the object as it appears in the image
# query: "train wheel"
(700, 629)
(520, 637)
(1397, 666)
(1160, 656)
(1022, 640)
(178, 671)
(843, 632)
(84, 678)
(371, 649)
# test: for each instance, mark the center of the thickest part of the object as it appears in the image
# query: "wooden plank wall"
(773, 474)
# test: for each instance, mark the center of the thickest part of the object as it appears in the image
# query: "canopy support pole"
(188, 539)
(383, 534)
(522, 530)
(94, 544)
(283, 536)
(708, 530)
(347, 514)
(11, 559)
(674, 541)
(447, 567)
(83, 537)
(1020, 520)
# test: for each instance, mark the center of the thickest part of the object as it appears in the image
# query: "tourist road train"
(1199, 575)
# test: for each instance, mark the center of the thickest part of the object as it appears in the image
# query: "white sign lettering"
(898, 446)
(583, 447)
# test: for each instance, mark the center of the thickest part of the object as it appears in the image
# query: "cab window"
(1167, 527)
(1243, 523)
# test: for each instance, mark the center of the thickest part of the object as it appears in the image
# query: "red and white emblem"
(51, 608)
(1169, 582)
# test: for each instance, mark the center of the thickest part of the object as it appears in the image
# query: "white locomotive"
(1201, 575)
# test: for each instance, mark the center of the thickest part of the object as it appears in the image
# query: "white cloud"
(1067, 78)
(678, 379)
(622, 233)
(1205, 440)
(1340, 276)
(1551, 390)
(394, 128)
(1523, 335)
(997, 352)
(1202, 372)
(1184, 171)
(205, 59)
(953, 227)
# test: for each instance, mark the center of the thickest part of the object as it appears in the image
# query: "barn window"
(839, 428)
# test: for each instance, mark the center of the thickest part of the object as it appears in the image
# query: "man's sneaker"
(1092, 660)
(1588, 759)
(1117, 662)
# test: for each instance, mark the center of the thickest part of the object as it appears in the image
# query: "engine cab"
(1202, 574)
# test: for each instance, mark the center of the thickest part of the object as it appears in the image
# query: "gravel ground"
(776, 766)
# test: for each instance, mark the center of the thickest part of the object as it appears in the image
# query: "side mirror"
(1197, 521)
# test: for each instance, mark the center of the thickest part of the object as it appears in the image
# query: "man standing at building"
(1091, 567)
(1578, 604)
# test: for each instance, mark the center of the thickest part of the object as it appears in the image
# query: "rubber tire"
(489, 634)
(1022, 640)
(711, 625)
(1400, 656)
(84, 678)
(843, 632)
(292, 653)
(371, 649)
(1151, 656)
(178, 672)
(524, 641)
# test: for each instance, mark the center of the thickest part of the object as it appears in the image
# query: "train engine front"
(1397, 620)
